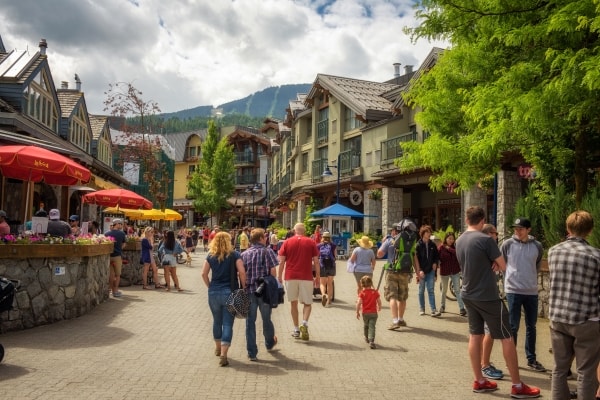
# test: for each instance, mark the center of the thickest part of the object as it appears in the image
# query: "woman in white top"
(363, 258)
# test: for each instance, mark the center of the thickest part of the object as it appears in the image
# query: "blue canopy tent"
(337, 220)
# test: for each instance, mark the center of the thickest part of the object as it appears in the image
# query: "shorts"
(116, 265)
(493, 313)
(396, 286)
(328, 271)
(358, 275)
(301, 291)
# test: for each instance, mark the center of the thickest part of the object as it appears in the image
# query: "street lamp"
(253, 190)
(327, 172)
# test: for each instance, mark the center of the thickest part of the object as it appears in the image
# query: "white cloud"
(188, 53)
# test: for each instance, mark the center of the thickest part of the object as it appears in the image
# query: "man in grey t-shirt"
(479, 258)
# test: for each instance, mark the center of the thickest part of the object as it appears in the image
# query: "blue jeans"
(455, 280)
(530, 308)
(257, 303)
(222, 319)
(428, 281)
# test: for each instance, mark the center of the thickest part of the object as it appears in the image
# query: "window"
(191, 169)
(350, 121)
(304, 162)
(354, 145)
(39, 103)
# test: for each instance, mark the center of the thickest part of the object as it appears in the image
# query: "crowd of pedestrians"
(470, 264)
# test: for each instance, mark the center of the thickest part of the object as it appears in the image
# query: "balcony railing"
(323, 131)
(246, 179)
(390, 148)
(244, 158)
(318, 166)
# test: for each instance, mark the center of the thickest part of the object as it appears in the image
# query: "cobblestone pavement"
(158, 345)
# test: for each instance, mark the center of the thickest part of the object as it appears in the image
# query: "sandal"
(179, 289)
(147, 287)
(159, 287)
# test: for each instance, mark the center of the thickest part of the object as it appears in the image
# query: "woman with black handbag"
(227, 274)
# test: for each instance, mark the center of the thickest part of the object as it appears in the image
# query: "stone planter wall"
(58, 282)
(131, 273)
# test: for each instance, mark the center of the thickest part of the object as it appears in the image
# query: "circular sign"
(355, 197)
(292, 205)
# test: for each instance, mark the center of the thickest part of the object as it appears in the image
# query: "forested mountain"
(270, 102)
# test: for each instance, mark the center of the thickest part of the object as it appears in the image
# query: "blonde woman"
(148, 259)
(220, 264)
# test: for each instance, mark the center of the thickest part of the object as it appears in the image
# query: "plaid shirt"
(255, 266)
(574, 282)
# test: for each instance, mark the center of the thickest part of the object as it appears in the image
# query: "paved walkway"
(158, 345)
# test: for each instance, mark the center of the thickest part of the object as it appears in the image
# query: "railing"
(246, 179)
(323, 131)
(285, 182)
(289, 146)
(390, 148)
(244, 158)
(318, 166)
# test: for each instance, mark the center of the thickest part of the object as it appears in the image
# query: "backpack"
(325, 255)
(406, 244)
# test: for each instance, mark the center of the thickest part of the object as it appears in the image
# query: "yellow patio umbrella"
(172, 215)
(152, 214)
(128, 212)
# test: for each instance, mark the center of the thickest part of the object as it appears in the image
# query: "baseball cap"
(2, 213)
(521, 223)
(117, 221)
(326, 234)
(74, 217)
(54, 214)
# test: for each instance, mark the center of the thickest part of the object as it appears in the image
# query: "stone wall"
(54, 288)
(392, 204)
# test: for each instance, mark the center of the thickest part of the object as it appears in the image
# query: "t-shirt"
(363, 260)
(299, 252)
(369, 298)
(4, 228)
(476, 253)
(58, 228)
(120, 238)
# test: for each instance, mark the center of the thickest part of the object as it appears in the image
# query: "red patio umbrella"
(36, 164)
(117, 198)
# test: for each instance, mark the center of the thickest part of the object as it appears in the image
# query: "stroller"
(8, 288)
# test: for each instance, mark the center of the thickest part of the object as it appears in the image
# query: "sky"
(188, 53)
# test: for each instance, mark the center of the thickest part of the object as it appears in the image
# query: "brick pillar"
(509, 191)
(371, 207)
(473, 197)
(392, 205)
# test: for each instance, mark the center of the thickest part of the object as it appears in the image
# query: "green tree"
(213, 180)
(520, 77)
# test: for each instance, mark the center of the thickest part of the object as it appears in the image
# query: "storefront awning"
(103, 183)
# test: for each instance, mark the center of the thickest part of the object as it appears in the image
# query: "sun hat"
(117, 221)
(54, 214)
(365, 242)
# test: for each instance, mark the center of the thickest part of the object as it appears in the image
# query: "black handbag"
(238, 303)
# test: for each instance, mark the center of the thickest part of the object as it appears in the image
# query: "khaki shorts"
(116, 265)
(301, 291)
(396, 286)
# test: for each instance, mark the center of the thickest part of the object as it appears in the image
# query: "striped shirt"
(574, 282)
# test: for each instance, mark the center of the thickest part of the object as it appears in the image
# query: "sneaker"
(394, 326)
(304, 332)
(250, 358)
(492, 372)
(372, 345)
(117, 294)
(442, 309)
(422, 312)
(274, 343)
(463, 312)
(536, 366)
(435, 313)
(296, 334)
(402, 322)
(486, 386)
(525, 392)
(324, 300)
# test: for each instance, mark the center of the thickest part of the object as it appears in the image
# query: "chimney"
(408, 69)
(77, 83)
(397, 70)
(43, 46)
(64, 85)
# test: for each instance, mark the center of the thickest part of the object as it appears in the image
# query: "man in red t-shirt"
(299, 258)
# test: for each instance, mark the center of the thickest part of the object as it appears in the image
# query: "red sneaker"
(486, 386)
(526, 392)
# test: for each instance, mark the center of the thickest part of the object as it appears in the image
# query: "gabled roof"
(69, 99)
(365, 98)
(98, 122)
(180, 140)
(427, 64)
